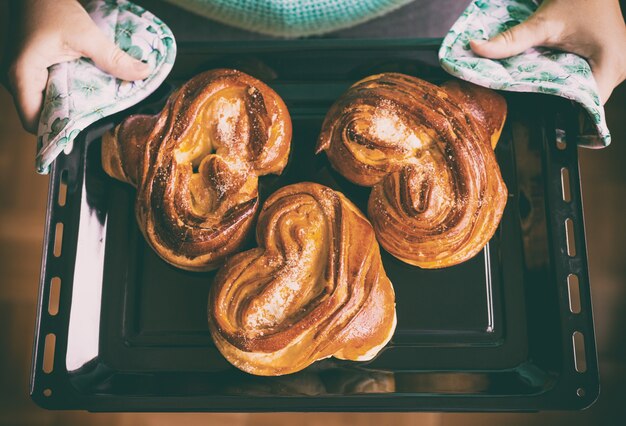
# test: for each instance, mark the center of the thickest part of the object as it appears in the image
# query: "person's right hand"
(56, 31)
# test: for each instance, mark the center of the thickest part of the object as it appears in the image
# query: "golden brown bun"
(196, 164)
(427, 151)
(315, 287)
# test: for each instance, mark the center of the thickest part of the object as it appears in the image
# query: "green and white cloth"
(538, 70)
(78, 93)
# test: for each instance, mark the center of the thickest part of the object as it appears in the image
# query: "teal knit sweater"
(290, 18)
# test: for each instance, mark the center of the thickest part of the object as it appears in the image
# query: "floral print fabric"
(78, 93)
(536, 70)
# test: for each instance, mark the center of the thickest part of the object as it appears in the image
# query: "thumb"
(605, 77)
(108, 57)
(513, 41)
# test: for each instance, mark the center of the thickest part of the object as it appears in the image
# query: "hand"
(53, 32)
(593, 29)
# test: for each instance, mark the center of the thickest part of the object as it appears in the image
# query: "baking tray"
(118, 329)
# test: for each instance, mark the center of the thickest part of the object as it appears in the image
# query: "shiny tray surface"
(494, 333)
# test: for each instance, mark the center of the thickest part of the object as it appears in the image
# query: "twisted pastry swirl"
(314, 288)
(196, 164)
(427, 151)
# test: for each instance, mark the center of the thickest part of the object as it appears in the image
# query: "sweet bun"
(196, 165)
(427, 152)
(314, 287)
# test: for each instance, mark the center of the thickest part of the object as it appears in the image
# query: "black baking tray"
(494, 333)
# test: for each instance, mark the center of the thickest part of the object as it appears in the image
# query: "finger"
(513, 41)
(108, 57)
(28, 82)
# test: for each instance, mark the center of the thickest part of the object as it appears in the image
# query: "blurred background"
(23, 208)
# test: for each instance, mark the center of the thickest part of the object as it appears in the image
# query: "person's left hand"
(593, 29)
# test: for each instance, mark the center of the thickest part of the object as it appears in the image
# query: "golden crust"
(196, 164)
(427, 151)
(314, 287)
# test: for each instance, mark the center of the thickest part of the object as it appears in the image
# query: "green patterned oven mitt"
(536, 70)
(78, 93)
